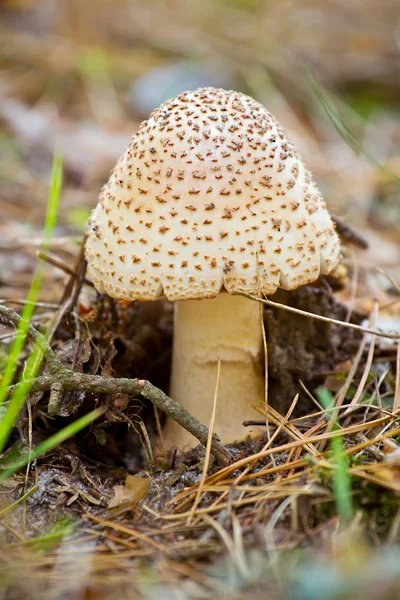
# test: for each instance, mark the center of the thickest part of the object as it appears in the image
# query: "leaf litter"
(105, 517)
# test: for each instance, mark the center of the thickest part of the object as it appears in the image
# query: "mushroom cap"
(209, 194)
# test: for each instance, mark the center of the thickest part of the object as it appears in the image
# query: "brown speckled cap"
(210, 193)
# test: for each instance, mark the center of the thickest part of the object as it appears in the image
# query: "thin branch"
(63, 379)
(57, 262)
(71, 290)
(303, 313)
(74, 284)
(8, 316)
(348, 234)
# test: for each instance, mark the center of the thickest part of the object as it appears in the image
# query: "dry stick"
(252, 459)
(332, 321)
(77, 277)
(292, 465)
(24, 302)
(340, 397)
(248, 460)
(325, 412)
(242, 474)
(188, 494)
(380, 481)
(396, 401)
(353, 286)
(309, 394)
(57, 262)
(131, 532)
(348, 234)
(304, 313)
(69, 380)
(237, 558)
(266, 374)
(71, 290)
(74, 285)
(8, 316)
(368, 363)
(263, 497)
(208, 447)
(290, 429)
(394, 283)
(159, 428)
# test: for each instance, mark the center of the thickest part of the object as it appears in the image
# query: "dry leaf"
(134, 490)
(389, 471)
(391, 451)
(335, 381)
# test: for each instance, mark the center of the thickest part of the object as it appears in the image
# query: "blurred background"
(81, 75)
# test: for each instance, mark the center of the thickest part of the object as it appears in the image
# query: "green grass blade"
(341, 476)
(10, 507)
(344, 131)
(36, 357)
(49, 225)
(53, 441)
(61, 529)
(17, 400)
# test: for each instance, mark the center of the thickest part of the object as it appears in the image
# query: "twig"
(348, 234)
(8, 316)
(57, 262)
(62, 379)
(74, 284)
(23, 302)
(396, 401)
(303, 313)
(208, 448)
(367, 368)
(71, 290)
(56, 391)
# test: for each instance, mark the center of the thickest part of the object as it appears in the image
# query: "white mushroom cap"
(210, 193)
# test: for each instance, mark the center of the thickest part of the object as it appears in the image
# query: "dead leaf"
(335, 381)
(391, 451)
(389, 470)
(134, 490)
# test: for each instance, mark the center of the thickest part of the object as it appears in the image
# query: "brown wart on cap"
(210, 196)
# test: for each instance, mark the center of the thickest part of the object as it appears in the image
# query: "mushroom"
(210, 199)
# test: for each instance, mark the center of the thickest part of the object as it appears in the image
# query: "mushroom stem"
(228, 328)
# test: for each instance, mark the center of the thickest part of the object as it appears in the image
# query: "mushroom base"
(226, 328)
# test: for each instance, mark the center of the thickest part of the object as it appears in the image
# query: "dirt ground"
(101, 515)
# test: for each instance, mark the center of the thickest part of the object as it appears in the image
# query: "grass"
(341, 476)
(62, 528)
(35, 359)
(344, 131)
(9, 415)
(28, 310)
(53, 441)
(257, 489)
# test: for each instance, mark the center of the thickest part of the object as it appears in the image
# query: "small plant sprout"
(341, 476)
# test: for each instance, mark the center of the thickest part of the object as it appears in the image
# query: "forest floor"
(301, 511)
